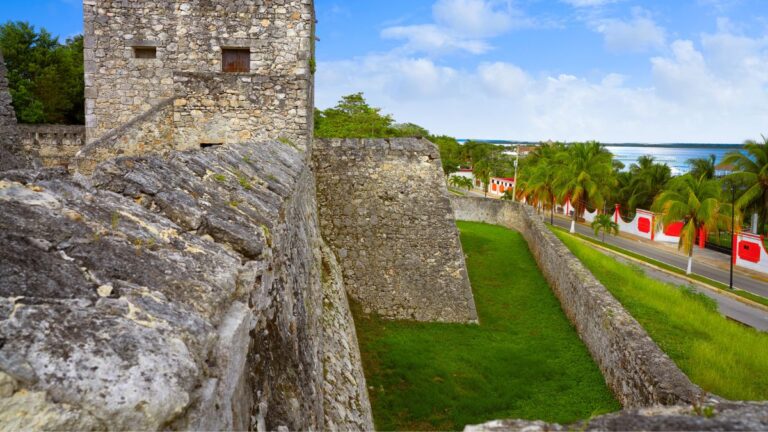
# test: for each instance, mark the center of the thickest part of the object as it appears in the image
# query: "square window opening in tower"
(236, 60)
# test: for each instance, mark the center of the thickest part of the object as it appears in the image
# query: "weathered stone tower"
(10, 157)
(176, 74)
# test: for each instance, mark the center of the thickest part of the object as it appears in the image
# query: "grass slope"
(711, 282)
(523, 361)
(721, 356)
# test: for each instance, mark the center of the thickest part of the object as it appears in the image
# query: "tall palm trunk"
(573, 223)
(552, 213)
(690, 262)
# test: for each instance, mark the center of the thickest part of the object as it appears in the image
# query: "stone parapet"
(638, 372)
(177, 293)
(384, 211)
(53, 145)
(726, 416)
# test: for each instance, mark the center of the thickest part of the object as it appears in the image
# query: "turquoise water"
(674, 155)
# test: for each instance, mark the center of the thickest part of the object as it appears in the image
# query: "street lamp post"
(733, 216)
(514, 186)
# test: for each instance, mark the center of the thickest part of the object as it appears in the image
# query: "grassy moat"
(524, 360)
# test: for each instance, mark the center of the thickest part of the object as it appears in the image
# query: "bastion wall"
(10, 151)
(191, 292)
(384, 211)
(638, 372)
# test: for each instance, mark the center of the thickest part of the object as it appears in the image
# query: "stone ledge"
(727, 416)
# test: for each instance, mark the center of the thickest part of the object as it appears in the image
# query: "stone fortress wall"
(53, 145)
(184, 82)
(385, 212)
(10, 151)
(192, 292)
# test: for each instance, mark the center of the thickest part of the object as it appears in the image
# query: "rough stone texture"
(230, 108)
(274, 100)
(178, 293)
(638, 372)
(53, 145)
(384, 210)
(346, 396)
(11, 156)
(152, 131)
(7, 114)
(728, 416)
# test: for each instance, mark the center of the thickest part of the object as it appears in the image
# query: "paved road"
(677, 259)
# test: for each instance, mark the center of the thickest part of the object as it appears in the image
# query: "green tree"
(605, 223)
(461, 182)
(482, 172)
(646, 183)
(449, 153)
(45, 77)
(697, 203)
(752, 172)
(539, 175)
(409, 130)
(586, 178)
(352, 117)
(703, 167)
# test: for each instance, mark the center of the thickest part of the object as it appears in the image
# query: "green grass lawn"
(721, 356)
(524, 360)
(711, 282)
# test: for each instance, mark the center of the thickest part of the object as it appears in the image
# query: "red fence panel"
(749, 251)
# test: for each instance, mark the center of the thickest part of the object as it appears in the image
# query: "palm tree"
(587, 177)
(696, 202)
(545, 165)
(752, 172)
(605, 223)
(460, 182)
(703, 167)
(508, 195)
(482, 171)
(646, 184)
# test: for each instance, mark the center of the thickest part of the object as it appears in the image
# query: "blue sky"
(611, 70)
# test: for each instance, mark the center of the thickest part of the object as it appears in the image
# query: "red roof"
(505, 179)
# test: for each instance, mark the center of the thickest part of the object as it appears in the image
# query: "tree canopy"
(352, 117)
(45, 76)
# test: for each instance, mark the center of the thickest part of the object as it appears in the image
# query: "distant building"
(499, 185)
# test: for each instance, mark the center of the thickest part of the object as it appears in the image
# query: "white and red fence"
(749, 250)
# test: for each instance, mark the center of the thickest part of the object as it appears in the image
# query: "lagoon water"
(674, 155)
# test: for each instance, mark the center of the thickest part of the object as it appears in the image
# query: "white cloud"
(503, 79)
(433, 40)
(640, 34)
(459, 25)
(478, 18)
